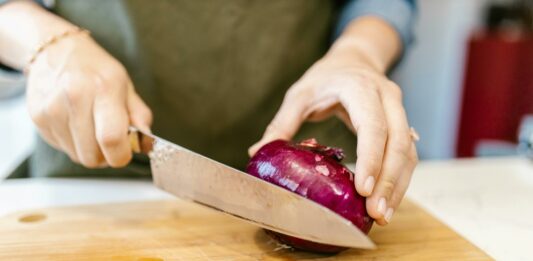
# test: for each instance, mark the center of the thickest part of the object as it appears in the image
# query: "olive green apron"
(213, 72)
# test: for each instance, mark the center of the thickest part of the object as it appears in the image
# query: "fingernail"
(382, 206)
(369, 185)
(388, 215)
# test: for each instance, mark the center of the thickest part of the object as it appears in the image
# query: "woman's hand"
(82, 101)
(80, 97)
(350, 84)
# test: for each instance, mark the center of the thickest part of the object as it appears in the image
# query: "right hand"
(82, 101)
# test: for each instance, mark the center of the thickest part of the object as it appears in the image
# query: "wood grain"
(179, 230)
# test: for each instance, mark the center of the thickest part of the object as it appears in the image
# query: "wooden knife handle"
(133, 134)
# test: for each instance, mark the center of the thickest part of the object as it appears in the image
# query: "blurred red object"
(497, 89)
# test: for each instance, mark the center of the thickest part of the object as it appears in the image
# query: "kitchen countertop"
(487, 201)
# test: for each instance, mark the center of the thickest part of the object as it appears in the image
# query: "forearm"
(24, 25)
(369, 40)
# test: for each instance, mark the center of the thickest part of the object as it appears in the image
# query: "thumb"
(140, 115)
(285, 124)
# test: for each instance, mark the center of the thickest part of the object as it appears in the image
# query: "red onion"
(315, 172)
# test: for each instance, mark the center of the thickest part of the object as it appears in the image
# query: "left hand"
(350, 88)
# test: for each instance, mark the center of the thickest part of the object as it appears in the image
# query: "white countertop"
(487, 201)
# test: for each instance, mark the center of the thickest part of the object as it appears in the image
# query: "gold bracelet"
(53, 39)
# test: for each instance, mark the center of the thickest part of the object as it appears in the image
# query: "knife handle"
(134, 137)
(141, 142)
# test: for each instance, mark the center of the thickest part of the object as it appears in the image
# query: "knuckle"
(90, 160)
(112, 73)
(121, 160)
(400, 145)
(53, 109)
(395, 90)
(74, 94)
(116, 69)
(291, 93)
(368, 85)
(148, 115)
(387, 185)
(89, 163)
(370, 91)
(297, 91)
(110, 138)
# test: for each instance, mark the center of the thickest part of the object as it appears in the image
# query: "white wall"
(431, 75)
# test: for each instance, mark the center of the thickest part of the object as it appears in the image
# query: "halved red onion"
(315, 172)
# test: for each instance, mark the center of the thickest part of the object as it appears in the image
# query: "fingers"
(286, 122)
(403, 181)
(81, 126)
(74, 127)
(367, 117)
(139, 113)
(60, 133)
(111, 124)
(398, 161)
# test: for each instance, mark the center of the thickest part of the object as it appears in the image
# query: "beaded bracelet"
(53, 39)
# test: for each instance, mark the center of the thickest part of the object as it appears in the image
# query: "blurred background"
(467, 81)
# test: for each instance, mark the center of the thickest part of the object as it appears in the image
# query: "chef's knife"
(192, 176)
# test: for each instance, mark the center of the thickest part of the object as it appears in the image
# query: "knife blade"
(192, 176)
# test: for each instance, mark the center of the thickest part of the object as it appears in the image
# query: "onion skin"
(315, 172)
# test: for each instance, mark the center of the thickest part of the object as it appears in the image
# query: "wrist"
(34, 25)
(370, 40)
(354, 52)
(58, 56)
(71, 34)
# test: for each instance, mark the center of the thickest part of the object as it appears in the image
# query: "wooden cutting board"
(179, 230)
